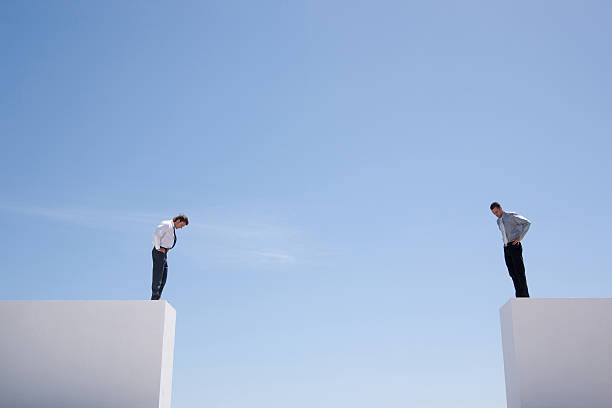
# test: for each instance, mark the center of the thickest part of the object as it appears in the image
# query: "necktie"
(174, 243)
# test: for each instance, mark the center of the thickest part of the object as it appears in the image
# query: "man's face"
(497, 211)
(179, 224)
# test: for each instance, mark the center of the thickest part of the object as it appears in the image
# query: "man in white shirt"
(164, 239)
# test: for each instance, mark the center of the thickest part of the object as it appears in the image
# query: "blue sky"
(336, 160)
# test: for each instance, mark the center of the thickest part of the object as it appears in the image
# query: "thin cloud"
(93, 218)
(274, 256)
(211, 237)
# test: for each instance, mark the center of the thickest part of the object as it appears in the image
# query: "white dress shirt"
(503, 231)
(164, 235)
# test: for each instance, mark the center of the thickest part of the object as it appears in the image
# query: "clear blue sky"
(337, 161)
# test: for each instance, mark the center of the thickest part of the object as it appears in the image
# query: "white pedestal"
(558, 353)
(86, 354)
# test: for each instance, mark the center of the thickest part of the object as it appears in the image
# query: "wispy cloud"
(274, 256)
(234, 241)
(88, 217)
(229, 238)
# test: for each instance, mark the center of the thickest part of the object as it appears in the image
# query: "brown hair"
(181, 218)
(495, 204)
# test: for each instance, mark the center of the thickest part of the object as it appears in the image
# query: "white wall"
(86, 354)
(557, 352)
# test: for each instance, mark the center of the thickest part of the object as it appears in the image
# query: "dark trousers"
(513, 255)
(160, 273)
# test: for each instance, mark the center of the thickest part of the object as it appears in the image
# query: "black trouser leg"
(519, 268)
(160, 271)
(164, 275)
(513, 255)
(510, 267)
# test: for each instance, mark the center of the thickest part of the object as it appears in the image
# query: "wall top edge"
(85, 301)
(551, 300)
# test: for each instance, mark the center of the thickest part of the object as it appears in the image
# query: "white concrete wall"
(86, 354)
(557, 352)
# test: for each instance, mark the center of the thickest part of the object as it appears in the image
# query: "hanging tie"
(174, 243)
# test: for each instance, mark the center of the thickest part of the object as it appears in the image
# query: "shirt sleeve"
(523, 224)
(157, 235)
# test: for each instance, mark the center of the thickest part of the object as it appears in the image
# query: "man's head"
(180, 221)
(496, 209)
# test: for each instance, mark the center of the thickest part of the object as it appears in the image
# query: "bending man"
(513, 228)
(164, 239)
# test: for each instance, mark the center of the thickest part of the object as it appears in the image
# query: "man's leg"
(159, 260)
(519, 270)
(164, 276)
(511, 271)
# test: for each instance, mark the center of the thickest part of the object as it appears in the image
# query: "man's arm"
(157, 235)
(524, 224)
